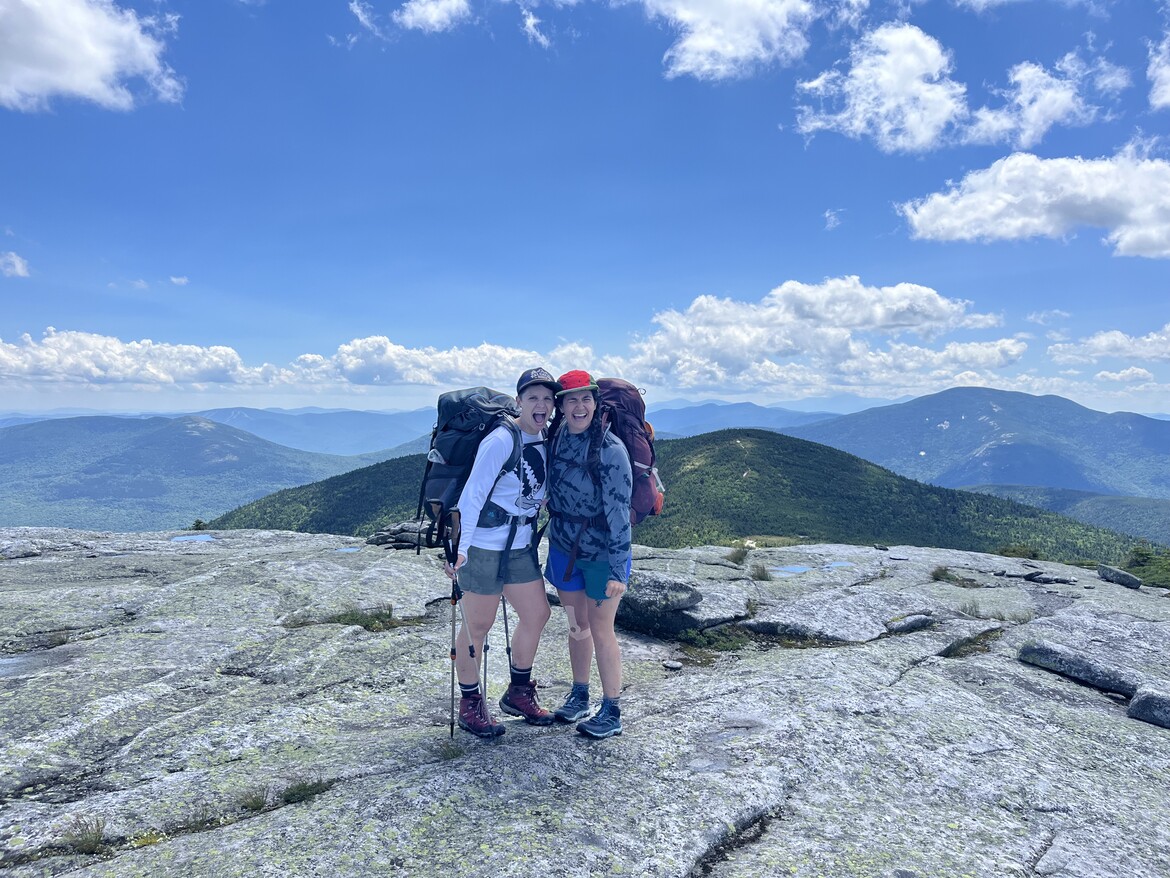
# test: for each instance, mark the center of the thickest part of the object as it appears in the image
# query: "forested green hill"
(732, 484)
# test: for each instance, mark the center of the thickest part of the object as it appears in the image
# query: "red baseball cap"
(576, 380)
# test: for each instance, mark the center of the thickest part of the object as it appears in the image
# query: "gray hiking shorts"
(480, 574)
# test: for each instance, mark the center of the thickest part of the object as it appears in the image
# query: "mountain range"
(113, 473)
(977, 436)
(705, 417)
(1027, 448)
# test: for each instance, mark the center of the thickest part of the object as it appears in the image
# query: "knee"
(603, 633)
(477, 631)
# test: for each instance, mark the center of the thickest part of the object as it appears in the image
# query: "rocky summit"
(253, 703)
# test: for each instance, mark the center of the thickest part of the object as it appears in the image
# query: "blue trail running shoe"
(576, 705)
(606, 723)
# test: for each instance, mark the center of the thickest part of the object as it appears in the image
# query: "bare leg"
(609, 654)
(479, 611)
(576, 605)
(531, 604)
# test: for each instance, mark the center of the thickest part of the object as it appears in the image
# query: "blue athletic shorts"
(558, 562)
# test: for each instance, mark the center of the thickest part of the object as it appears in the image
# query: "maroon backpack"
(624, 410)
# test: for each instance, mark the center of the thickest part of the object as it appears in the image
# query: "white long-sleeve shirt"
(518, 492)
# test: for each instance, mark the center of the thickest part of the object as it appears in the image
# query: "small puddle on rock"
(789, 570)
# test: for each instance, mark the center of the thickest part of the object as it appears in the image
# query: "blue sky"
(361, 204)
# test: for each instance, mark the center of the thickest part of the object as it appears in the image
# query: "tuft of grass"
(761, 573)
(303, 790)
(975, 611)
(737, 555)
(945, 574)
(202, 817)
(85, 833)
(56, 638)
(255, 800)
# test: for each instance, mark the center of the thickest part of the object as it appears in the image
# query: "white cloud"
(364, 13)
(897, 91)
(1046, 317)
(984, 5)
(1037, 100)
(803, 336)
(82, 357)
(1024, 196)
(1132, 374)
(722, 39)
(180, 281)
(87, 49)
(531, 28)
(1158, 72)
(377, 360)
(12, 265)
(140, 284)
(798, 340)
(1114, 344)
(1109, 78)
(432, 16)
(848, 13)
(832, 219)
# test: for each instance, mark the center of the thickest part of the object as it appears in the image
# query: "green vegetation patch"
(303, 790)
(376, 619)
(723, 638)
(968, 646)
(725, 489)
(945, 574)
(1151, 564)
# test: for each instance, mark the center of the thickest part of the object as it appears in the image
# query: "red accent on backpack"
(624, 409)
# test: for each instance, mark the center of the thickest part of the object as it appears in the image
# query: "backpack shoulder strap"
(517, 445)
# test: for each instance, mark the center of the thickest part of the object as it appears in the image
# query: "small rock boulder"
(1118, 576)
(1064, 661)
(654, 601)
(1151, 705)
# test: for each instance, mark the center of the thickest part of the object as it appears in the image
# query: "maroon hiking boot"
(520, 700)
(474, 717)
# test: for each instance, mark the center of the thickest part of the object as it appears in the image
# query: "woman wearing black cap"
(495, 506)
(589, 548)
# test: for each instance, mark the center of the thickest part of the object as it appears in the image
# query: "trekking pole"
(451, 553)
(507, 636)
(483, 677)
(455, 595)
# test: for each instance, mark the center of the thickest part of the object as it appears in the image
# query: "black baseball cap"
(537, 376)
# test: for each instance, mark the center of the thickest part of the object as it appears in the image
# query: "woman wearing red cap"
(589, 548)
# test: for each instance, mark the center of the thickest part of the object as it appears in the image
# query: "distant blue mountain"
(328, 432)
(710, 416)
(132, 474)
(969, 436)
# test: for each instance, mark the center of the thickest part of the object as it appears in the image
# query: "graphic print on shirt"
(533, 475)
